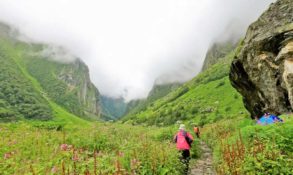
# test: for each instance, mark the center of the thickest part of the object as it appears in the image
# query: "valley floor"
(231, 146)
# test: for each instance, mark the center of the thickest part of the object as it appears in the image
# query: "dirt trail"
(204, 165)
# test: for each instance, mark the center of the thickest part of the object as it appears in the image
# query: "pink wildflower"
(75, 156)
(63, 147)
(134, 163)
(7, 155)
(54, 170)
(120, 154)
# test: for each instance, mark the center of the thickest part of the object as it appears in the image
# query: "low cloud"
(57, 54)
(130, 44)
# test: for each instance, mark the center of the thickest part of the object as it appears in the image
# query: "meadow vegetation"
(243, 147)
(99, 148)
(41, 136)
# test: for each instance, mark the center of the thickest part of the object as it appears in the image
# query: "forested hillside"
(29, 80)
(18, 97)
(68, 84)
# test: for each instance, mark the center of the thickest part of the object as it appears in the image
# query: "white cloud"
(129, 44)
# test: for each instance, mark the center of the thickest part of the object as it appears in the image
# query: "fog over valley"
(128, 45)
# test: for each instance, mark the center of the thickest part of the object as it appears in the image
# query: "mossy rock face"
(262, 72)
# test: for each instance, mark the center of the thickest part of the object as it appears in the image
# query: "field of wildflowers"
(243, 147)
(100, 148)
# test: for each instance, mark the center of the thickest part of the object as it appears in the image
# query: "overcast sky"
(129, 44)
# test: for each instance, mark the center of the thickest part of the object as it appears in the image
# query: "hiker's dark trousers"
(185, 157)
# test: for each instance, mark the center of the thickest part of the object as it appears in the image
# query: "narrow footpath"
(204, 165)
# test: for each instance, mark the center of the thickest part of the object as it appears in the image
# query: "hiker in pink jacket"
(183, 142)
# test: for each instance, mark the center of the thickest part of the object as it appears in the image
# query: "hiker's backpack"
(185, 136)
(188, 140)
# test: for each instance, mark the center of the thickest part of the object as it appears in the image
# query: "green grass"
(27, 148)
(242, 147)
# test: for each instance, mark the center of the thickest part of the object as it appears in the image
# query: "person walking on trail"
(196, 131)
(183, 142)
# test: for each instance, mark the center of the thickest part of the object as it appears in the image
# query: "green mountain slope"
(206, 98)
(18, 98)
(158, 91)
(113, 108)
(29, 85)
(67, 84)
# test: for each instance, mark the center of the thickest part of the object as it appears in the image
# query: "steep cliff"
(263, 71)
(68, 84)
(216, 52)
(31, 77)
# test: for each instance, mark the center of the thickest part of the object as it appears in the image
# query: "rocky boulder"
(263, 70)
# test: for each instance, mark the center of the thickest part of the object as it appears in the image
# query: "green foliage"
(242, 147)
(36, 148)
(29, 83)
(63, 83)
(21, 95)
(18, 97)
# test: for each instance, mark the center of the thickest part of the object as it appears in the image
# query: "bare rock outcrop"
(263, 70)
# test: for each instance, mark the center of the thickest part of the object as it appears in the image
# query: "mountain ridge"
(30, 76)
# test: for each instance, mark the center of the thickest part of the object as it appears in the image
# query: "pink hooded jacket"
(181, 141)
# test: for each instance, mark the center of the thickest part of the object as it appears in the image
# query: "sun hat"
(182, 127)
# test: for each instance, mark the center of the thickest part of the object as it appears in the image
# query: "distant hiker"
(183, 142)
(196, 131)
